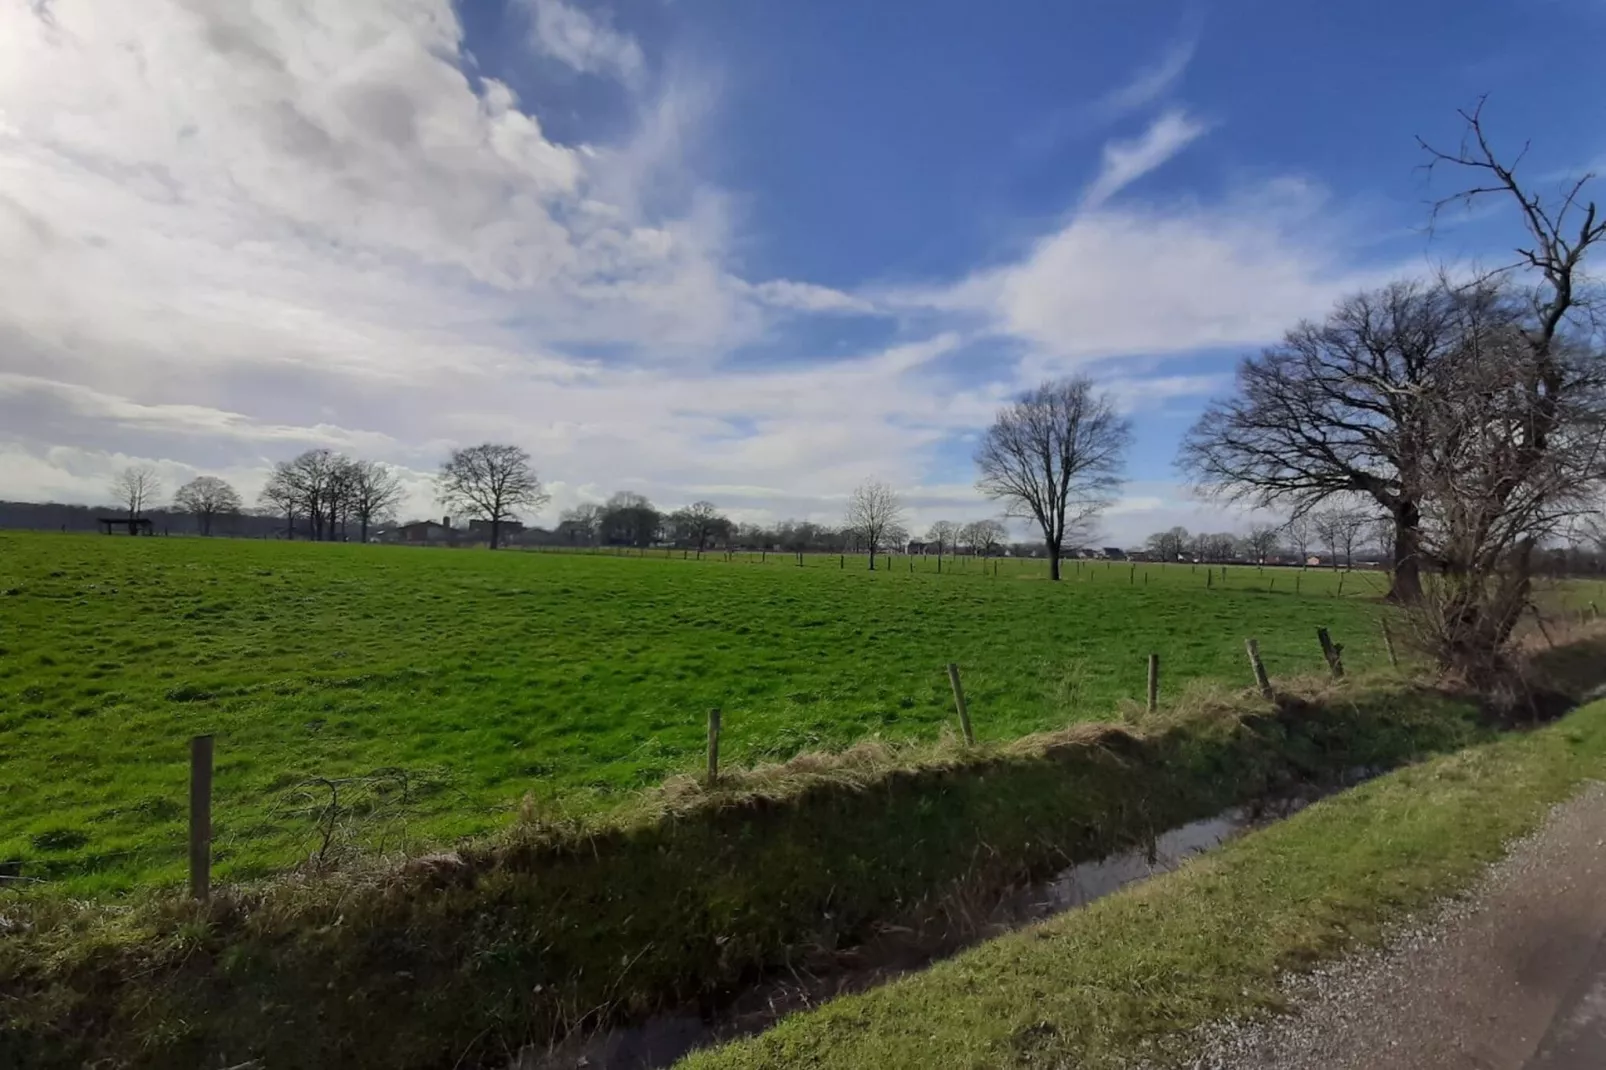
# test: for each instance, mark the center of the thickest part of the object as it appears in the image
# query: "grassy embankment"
(1135, 972)
(579, 679)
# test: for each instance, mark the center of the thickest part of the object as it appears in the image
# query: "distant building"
(481, 529)
(1313, 560)
(1113, 553)
(422, 531)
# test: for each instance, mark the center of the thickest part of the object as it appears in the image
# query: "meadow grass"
(579, 679)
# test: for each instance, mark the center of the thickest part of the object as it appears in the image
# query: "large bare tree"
(874, 509)
(493, 482)
(1337, 409)
(207, 498)
(373, 491)
(1055, 456)
(135, 487)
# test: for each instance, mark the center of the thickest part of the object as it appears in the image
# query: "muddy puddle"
(894, 951)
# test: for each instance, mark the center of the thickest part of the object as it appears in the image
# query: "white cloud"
(231, 232)
(1150, 83)
(1118, 281)
(1124, 162)
(583, 41)
(807, 297)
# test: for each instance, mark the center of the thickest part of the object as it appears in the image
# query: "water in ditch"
(895, 951)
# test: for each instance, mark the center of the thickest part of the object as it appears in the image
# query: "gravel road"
(1510, 977)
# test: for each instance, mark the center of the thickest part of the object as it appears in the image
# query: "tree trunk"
(872, 559)
(363, 529)
(1406, 588)
(496, 525)
(1053, 562)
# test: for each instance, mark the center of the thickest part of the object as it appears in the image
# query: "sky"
(753, 253)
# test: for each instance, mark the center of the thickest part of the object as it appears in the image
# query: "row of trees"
(1340, 533)
(332, 492)
(206, 498)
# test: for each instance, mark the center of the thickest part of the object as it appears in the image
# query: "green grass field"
(579, 678)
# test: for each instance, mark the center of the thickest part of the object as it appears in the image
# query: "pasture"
(577, 679)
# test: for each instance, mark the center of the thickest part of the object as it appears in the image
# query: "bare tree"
(629, 519)
(1340, 528)
(135, 487)
(311, 485)
(1337, 409)
(373, 491)
(491, 482)
(696, 524)
(1055, 457)
(874, 510)
(1169, 545)
(943, 534)
(207, 498)
(1261, 542)
(984, 537)
(1301, 535)
(280, 497)
(583, 523)
(1517, 432)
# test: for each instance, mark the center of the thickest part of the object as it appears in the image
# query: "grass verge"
(1132, 974)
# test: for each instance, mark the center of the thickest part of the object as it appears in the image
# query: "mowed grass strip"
(580, 678)
(1134, 973)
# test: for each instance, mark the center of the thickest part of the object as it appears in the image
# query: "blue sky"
(743, 251)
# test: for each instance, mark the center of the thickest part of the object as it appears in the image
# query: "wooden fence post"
(1539, 620)
(1262, 681)
(713, 747)
(1154, 682)
(201, 818)
(959, 704)
(1388, 642)
(1210, 578)
(1332, 653)
(841, 561)
(1594, 614)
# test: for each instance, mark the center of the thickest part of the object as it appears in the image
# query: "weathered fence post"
(1332, 653)
(1594, 614)
(713, 747)
(1154, 682)
(1388, 642)
(1262, 681)
(201, 818)
(959, 704)
(1540, 620)
(841, 561)
(1210, 578)
(1132, 576)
